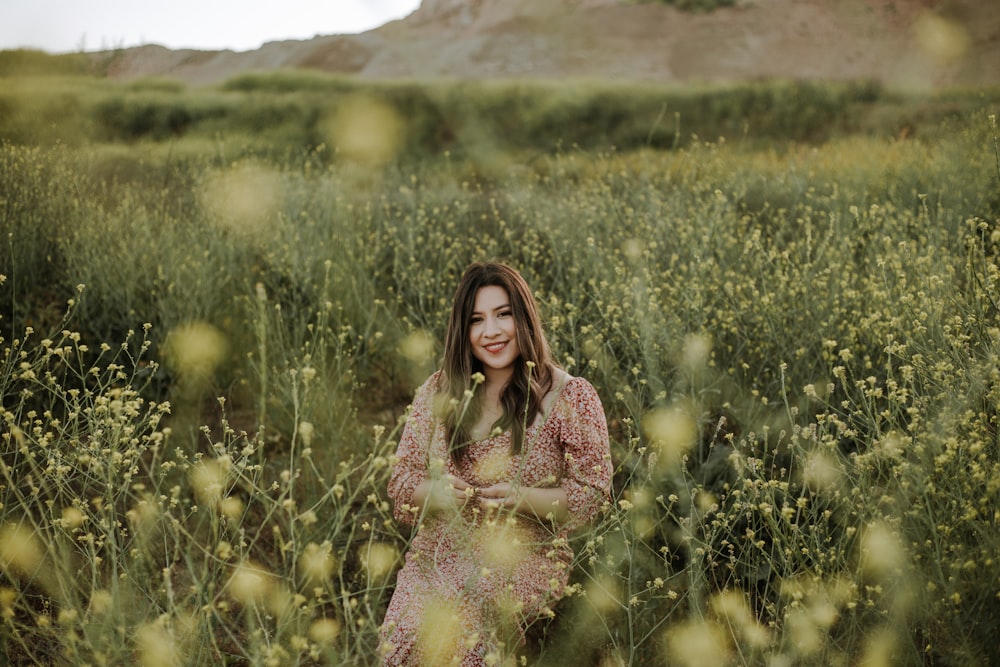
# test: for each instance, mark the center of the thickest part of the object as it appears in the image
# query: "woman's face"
(493, 332)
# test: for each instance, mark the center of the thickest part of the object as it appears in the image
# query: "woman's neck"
(495, 382)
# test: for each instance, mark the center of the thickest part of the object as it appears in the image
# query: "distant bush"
(151, 118)
(287, 114)
(290, 81)
(156, 85)
(30, 62)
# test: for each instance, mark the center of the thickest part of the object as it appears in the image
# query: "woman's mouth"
(494, 348)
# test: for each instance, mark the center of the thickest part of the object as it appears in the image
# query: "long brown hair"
(521, 398)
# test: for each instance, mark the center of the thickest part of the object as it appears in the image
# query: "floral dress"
(472, 581)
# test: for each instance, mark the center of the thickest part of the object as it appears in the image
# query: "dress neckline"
(543, 418)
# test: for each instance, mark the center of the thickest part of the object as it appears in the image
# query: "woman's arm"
(410, 480)
(586, 480)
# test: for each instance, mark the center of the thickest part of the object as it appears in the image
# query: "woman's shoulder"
(433, 381)
(430, 386)
(573, 390)
(563, 378)
(576, 405)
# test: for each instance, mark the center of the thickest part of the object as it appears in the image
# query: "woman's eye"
(506, 313)
(475, 320)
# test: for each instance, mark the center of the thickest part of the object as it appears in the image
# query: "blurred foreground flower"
(244, 199)
(324, 630)
(696, 352)
(250, 583)
(231, 507)
(733, 609)
(366, 131)
(821, 471)
(603, 593)
(440, 632)
(101, 602)
(882, 552)
(72, 518)
(378, 559)
(316, 563)
(194, 350)
(881, 649)
(20, 551)
(208, 479)
(306, 430)
(417, 347)
(698, 644)
(503, 546)
(156, 646)
(944, 40)
(672, 433)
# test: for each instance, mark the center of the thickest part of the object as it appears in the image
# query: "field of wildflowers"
(207, 353)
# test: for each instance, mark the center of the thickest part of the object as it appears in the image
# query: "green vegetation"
(216, 304)
(29, 62)
(288, 113)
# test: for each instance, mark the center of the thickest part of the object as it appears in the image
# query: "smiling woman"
(493, 336)
(502, 455)
(65, 25)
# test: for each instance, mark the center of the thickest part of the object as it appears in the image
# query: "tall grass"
(207, 358)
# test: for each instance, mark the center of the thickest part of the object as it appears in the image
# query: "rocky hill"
(906, 42)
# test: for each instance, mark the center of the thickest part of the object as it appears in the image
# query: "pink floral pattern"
(471, 582)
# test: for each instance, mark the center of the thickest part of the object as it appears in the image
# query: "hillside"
(906, 42)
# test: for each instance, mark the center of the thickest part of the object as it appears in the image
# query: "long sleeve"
(586, 452)
(410, 467)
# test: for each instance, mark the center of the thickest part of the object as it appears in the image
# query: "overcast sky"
(68, 25)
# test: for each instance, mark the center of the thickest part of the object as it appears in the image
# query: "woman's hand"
(445, 493)
(543, 504)
(502, 494)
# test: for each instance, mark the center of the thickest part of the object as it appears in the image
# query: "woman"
(503, 453)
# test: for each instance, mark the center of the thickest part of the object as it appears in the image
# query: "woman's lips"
(495, 347)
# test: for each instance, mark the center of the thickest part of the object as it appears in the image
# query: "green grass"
(216, 305)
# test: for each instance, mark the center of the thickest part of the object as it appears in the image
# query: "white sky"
(67, 25)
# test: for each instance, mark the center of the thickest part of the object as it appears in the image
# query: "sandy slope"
(912, 42)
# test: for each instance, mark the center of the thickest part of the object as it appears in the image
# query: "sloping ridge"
(919, 42)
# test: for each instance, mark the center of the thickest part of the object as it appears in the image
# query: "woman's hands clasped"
(452, 494)
(501, 495)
